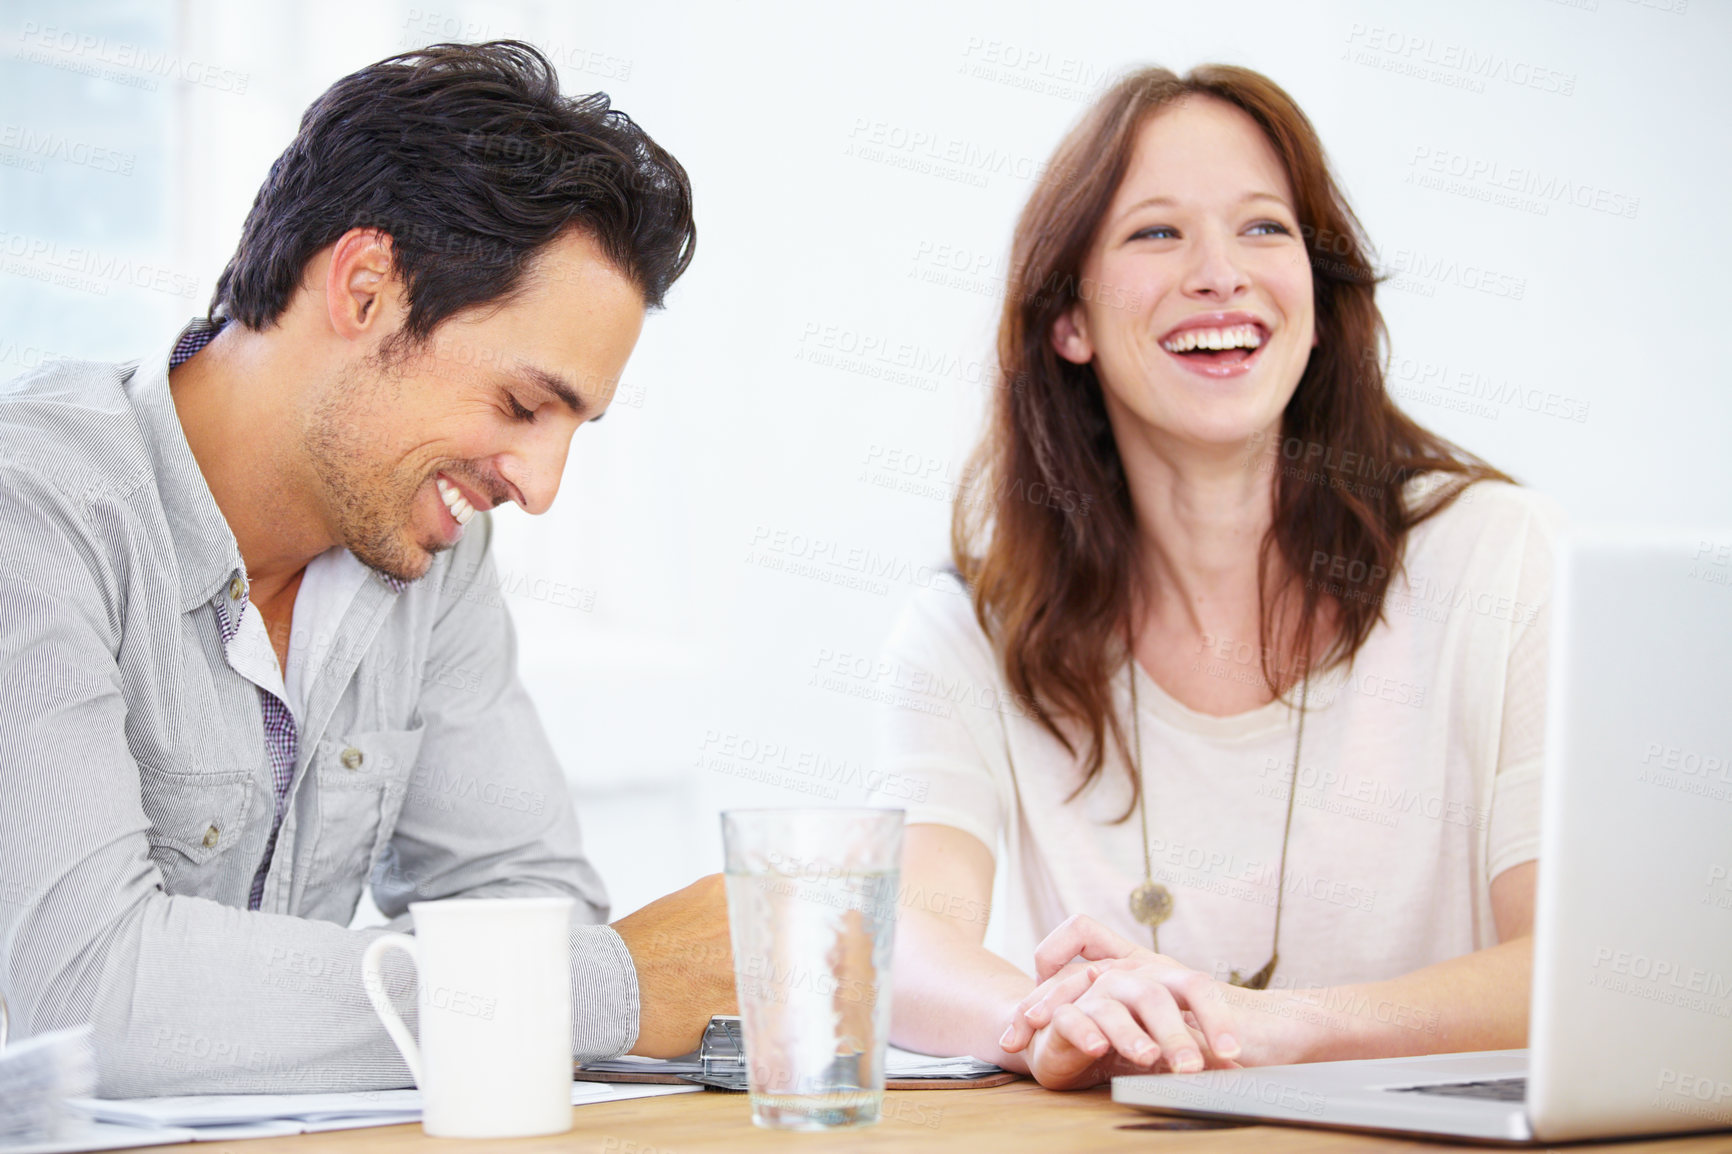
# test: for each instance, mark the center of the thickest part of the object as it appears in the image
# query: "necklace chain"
(1152, 903)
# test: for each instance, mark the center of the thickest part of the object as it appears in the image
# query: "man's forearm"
(683, 971)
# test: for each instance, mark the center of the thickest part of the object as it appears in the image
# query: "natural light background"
(773, 480)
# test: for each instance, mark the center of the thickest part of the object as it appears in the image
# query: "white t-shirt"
(1418, 782)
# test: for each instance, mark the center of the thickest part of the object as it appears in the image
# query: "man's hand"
(685, 966)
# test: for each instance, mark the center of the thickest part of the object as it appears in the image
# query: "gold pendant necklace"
(1151, 902)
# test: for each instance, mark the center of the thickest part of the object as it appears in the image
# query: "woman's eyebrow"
(1169, 202)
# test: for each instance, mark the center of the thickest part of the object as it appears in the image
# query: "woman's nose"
(1214, 273)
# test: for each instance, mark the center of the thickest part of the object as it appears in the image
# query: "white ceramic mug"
(494, 1000)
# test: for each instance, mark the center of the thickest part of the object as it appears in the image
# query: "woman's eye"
(1273, 224)
(1154, 232)
(518, 412)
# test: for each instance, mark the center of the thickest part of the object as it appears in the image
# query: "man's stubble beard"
(372, 501)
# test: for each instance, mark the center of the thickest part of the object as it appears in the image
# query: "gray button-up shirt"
(135, 783)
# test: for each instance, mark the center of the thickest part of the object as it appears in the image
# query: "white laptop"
(1631, 1025)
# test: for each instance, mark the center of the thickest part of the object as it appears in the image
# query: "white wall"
(823, 223)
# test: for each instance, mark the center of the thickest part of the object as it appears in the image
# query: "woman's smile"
(1217, 344)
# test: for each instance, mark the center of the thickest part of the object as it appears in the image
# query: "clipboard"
(719, 1063)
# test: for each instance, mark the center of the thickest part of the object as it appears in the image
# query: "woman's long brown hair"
(1043, 531)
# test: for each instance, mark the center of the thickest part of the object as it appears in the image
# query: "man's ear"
(359, 286)
(1070, 336)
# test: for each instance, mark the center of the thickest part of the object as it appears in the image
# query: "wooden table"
(1013, 1119)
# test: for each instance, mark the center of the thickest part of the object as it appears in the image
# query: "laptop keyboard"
(1492, 1089)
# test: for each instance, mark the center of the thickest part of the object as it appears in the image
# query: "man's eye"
(518, 412)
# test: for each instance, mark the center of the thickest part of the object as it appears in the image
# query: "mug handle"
(375, 987)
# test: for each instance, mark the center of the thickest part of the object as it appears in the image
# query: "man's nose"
(536, 468)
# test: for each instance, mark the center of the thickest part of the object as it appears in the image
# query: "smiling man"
(246, 673)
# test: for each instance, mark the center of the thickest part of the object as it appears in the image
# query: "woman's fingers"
(1100, 1035)
(1058, 1062)
(1037, 1008)
(1137, 1001)
(1080, 1032)
(1128, 1036)
(1078, 936)
(1062, 988)
(1155, 1010)
(1200, 996)
(1211, 1059)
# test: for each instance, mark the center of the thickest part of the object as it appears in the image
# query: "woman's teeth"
(461, 510)
(1237, 337)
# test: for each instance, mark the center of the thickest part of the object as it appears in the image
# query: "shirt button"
(236, 588)
(210, 837)
(352, 758)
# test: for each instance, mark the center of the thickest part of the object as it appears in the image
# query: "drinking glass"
(812, 911)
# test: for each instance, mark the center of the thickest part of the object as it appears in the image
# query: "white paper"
(324, 1124)
(81, 1135)
(239, 1109)
(120, 1122)
(622, 1091)
(900, 1063)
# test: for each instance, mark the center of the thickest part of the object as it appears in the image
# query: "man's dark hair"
(471, 160)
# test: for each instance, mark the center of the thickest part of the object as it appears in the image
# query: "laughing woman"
(1244, 670)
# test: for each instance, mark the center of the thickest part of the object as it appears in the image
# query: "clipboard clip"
(722, 1054)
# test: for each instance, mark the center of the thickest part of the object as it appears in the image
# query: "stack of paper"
(225, 1115)
(110, 1123)
(36, 1078)
(900, 1063)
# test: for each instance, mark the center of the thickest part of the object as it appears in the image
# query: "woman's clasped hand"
(1105, 1006)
